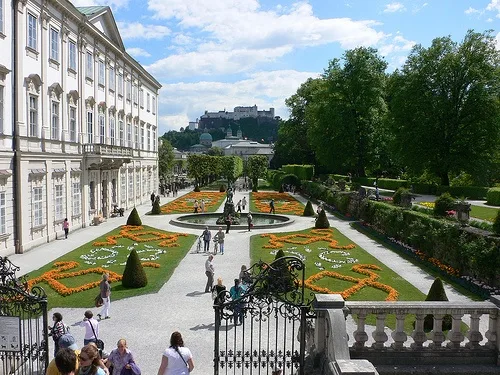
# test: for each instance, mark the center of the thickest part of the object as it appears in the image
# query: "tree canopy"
(257, 168)
(165, 158)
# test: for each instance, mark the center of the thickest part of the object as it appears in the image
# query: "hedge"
(303, 172)
(470, 192)
(493, 196)
(471, 251)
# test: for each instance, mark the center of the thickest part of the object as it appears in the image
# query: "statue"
(229, 195)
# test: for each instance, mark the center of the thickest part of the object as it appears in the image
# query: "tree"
(134, 218)
(231, 168)
(444, 106)
(257, 168)
(165, 159)
(348, 111)
(215, 151)
(199, 167)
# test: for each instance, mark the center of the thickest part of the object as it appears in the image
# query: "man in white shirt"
(209, 271)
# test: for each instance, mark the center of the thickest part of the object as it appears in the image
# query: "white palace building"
(78, 121)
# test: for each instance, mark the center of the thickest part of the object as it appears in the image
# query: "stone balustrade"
(342, 334)
(103, 149)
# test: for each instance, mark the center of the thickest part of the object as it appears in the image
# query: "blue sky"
(218, 54)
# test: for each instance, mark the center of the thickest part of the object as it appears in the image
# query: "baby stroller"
(216, 245)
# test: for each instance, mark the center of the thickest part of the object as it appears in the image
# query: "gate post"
(217, 309)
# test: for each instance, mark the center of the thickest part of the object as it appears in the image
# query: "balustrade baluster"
(455, 336)
(379, 334)
(474, 335)
(437, 334)
(399, 334)
(360, 336)
(418, 335)
(492, 334)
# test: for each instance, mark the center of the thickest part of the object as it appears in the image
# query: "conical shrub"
(156, 210)
(134, 275)
(133, 218)
(322, 221)
(196, 189)
(308, 211)
(437, 293)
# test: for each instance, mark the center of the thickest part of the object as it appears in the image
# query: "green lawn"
(113, 258)
(484, 213)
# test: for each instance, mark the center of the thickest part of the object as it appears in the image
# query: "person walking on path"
(207, 236)
(244, 202)
(152, 198)
(196, 206)
(66, 228)
(239, 206)
(120, 358)
(202, 206)
(209, 271)
(229, 221)
(91, 326)
(106, 296)
(249, 221)
(271, 206)
(219, 237)
(176, 359)
(236, 292)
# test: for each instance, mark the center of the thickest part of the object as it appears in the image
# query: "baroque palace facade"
(78, 121)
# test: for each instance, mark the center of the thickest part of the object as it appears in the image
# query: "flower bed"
(186, 203)
(284, 203)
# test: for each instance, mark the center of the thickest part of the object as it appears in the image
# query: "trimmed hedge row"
(493, 196)
(472, 252)
(302, 171)
(470, 192)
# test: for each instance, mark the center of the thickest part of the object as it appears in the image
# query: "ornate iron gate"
(267, 326)
(23, 325)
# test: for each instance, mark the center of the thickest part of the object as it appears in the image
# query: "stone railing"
(343, 338)
(102, 149)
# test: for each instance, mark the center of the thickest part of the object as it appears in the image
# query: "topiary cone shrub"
(322, 221)
(437, 293)
(308, 211)
(134, 275)
(445, 202)
(222, 188)
(156, 210)
(496, 224)
(197, 189)
(133, 218)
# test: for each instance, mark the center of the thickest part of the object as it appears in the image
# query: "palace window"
(141, 98)
(33, 116)
(76, 199)
(90, 127)
(122, 142)
(55, 121)
(130, 185)
(148, 102)
(89, 73)
(1, 16)
(120, 84)
(134, 91)
(37, 206)
(136, 135)
(102, 130)
(72, 124)
(3, 211)
(72, 55)
(142, 137)
(54, 44)
(112, 130)
(129, 134)
(153, 106)
(129, 89)
(1, 109)
(58, 202)
(32, 31)
(112, 78)
(123, 187)
(101, 76)
(149, 138)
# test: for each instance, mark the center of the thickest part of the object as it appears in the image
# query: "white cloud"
(397, 44)
(136, 30)
(184, 102)
(494, 5)
(114, 4)
(394, 7)
(472, 11)
(138, 52)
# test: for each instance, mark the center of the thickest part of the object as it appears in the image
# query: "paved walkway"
(147, 321)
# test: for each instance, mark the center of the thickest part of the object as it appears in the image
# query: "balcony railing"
(106, 150)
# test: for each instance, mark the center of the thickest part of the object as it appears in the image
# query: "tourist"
(152, 198)
(245, 277)
(219, 237)
(229, 221)
(250, 221)
(209, 271)
(105, 290)
(66, 228)
(377, 193)
(320, 208)
(91, 326)
(236, 292)
(239, 206)
(120, 358)
(202, 206)
(207, 237)
(244, 203)
(196, 206)
(66, 342)
(65, 362)
(90, 362)
(176, 359)
(271, 206)
(219, 288)
(57, 330)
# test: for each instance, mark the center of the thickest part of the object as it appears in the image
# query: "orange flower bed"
(186, 203)
(364, 269)
(136, 233)
(277, 241)
(51, 277)
(284, 203)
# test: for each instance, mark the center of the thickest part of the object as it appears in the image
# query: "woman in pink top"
(66, 227)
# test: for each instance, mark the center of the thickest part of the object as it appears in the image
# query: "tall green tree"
(445, 106)
(347, 112)
(257, 168)
(292, 146)
(231, 167)
(200, 167)
(165, 158)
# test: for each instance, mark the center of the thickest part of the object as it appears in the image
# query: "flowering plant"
(284, 203)
(186, 202)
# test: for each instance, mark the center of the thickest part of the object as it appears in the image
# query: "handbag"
(98, 342)
(98, 301)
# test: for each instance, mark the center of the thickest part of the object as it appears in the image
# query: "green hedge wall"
(303, 172)
(493, 196)
(470, 192)
(471, 251)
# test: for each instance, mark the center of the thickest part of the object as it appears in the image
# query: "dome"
(205, 137)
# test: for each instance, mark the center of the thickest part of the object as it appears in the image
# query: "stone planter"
(463, 212)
